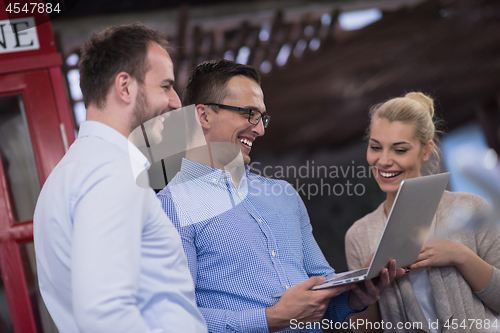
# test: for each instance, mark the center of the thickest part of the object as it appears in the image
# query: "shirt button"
(287, 287)
(273, 253)
(214, 180)
(259, 220)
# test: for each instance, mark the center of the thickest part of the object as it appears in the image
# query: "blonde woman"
(455, 283)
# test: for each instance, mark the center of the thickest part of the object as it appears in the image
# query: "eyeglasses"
(254, 116)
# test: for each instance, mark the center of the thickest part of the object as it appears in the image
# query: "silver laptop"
(406, 229)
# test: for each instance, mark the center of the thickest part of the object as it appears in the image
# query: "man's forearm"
(220, 320)
(275, 320)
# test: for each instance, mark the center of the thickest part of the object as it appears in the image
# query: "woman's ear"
(428, 150)
(203, 116)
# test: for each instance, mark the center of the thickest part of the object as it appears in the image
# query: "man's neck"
(203, 155)
(236, 173)
(110, 119)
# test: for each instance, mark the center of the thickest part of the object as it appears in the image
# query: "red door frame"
(35, 75)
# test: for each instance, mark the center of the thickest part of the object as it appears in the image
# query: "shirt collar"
(194, 170)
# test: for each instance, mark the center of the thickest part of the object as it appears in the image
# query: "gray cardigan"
(453, 296)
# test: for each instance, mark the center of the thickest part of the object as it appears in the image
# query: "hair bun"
(423, 99)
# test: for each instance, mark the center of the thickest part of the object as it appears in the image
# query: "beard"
(141, 112)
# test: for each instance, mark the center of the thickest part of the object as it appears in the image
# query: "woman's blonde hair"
(414, 108)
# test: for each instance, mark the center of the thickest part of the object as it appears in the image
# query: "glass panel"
(43, 320)
(18, 159)
(5, 319)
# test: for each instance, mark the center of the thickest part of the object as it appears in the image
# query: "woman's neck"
(389, 201)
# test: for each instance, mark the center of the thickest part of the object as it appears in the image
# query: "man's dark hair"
(208, 81)
(117, 49)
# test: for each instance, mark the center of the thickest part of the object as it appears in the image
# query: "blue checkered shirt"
(243, 244)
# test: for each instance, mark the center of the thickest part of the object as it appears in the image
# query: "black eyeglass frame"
(264, 116)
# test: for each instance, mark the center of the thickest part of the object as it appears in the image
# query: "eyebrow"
(255, 109)
(168, 81)
(394, 144)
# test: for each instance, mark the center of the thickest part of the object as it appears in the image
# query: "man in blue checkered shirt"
(248, 237)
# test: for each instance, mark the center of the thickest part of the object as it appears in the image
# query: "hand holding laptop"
(406, 230)
(304, 304)
(369, 292)
(301, 303)
(438, 252)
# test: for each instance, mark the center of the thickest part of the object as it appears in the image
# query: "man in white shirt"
(108, 258)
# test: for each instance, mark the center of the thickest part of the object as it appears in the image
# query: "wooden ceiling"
(449, 49)
(450, 52)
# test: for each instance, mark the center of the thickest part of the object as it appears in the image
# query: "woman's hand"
(440, 252)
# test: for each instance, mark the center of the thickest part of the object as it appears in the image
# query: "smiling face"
(233, 126)
(157, 95)
(395, 153)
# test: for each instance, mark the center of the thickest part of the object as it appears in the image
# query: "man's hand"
(301, 303)
(368, 294)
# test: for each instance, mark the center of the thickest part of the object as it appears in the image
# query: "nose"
(385, 159)
(174, 102)
(259, 128)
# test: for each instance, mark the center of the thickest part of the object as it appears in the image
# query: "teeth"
(390, 174)
(246, 142)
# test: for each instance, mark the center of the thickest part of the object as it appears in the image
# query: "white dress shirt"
(108, 258)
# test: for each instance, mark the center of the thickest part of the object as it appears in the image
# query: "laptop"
(405, 232)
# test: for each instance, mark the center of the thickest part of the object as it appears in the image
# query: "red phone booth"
(35, 131)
